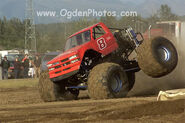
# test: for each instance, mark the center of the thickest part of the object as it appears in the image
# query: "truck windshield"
(78, 39)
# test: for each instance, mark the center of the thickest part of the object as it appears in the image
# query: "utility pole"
(30, 38)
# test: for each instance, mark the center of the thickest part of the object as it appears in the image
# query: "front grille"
(67, 69)
(64, 60)
(57, 67)
(66, 64)
(56, 63)
(58, 72)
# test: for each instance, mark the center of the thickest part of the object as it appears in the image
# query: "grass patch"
(18, 83)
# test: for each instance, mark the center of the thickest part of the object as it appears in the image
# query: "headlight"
(74, 61)
(72, 57)
(56, 63)
(49, 65)
(51, 69)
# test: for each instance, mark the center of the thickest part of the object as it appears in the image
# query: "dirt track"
(24, 105)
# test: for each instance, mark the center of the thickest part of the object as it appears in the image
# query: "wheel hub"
(116, 83)
(164, 54)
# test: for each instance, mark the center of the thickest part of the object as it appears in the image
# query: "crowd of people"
(21, 67)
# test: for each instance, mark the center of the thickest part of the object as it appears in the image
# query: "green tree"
(165, 13)
(110, 21)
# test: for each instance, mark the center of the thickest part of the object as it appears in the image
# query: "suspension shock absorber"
(133, 36)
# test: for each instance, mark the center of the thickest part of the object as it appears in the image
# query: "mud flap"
(171, 95)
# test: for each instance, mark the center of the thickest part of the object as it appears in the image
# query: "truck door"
(99, 35)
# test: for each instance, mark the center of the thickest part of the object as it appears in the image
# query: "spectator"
(37, 63)
(31, 68)
(17, 68)
(5, 66)
(25, 62)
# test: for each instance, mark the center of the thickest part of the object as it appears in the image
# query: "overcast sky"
(16, 8)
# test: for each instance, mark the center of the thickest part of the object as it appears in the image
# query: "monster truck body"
(97, 59)
(69, 62)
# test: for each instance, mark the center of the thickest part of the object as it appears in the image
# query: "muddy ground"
(24, 105)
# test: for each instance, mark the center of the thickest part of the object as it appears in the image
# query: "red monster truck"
(97, 59)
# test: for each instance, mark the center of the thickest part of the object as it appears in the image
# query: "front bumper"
(64, 76)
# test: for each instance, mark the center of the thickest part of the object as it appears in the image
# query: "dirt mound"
(148, 109)
(25, 105)
(23, 95)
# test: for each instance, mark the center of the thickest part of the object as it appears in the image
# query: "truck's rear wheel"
(107, 80)
(50, 91)
(157, 57)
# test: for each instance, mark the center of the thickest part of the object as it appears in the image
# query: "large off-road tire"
(50, 91)
(157, 57)
(107, 80)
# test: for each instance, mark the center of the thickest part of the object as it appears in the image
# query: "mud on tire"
(157, 57)
(107, 80)
(50, 91)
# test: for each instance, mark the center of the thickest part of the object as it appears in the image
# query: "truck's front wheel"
(50, 91)
(107, 80)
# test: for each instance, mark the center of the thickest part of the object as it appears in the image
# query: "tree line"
(52, 37)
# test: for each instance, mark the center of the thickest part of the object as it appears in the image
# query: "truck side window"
(98, 32)
(73, 42)
(87, 36)
(79, 39)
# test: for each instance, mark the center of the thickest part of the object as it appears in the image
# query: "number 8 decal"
(101, 43)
